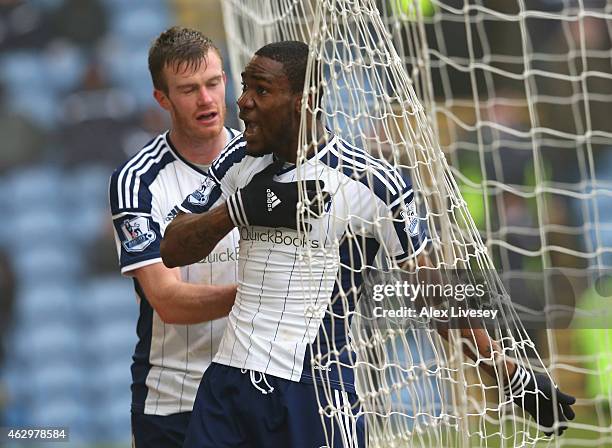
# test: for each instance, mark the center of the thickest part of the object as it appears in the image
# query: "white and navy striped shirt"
(290, 286)
(169, 360)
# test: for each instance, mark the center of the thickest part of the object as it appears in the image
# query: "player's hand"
(267, 203)
(534, 393)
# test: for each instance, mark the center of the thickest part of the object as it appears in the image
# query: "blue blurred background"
(75, 101)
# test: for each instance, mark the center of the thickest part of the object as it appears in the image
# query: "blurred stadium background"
(75, 101)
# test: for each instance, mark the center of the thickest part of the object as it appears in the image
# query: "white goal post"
(498, 111)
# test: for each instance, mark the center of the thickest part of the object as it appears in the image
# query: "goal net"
(496, 113)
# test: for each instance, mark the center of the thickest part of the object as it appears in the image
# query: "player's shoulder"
(234, 153)
(148, 158)
(130, 178)
(378, 175)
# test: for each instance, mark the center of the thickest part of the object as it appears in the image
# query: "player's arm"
(477, 343)
(192, 236)
(137, 224)
(178, 302)
(534, 392)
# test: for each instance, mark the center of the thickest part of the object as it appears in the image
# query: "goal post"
(431, 88)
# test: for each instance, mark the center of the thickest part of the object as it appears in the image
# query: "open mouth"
(207, 116)
(250, 128)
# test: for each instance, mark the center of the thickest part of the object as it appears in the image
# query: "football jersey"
(169, 359)
(291, 285)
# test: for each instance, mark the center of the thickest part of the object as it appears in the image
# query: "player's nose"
(245, 101)
(204, 96)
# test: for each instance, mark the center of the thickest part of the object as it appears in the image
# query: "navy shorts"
(232, 411)
(159, 431)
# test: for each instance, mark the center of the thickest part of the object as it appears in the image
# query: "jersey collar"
(319, 153)
(178, 155)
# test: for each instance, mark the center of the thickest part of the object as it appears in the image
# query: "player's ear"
(298, 103)
(161, 98)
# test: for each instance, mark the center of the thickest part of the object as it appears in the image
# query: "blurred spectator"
(7, 298)
(582, 48)
(22, 25)
(101, 253)
(22, 139)
(510, 162)
(101, 121)
(507, 158)
(81, 21)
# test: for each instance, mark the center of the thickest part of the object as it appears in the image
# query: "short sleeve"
(136, 225)
(219, 181)
(401, 230)
(202, 199)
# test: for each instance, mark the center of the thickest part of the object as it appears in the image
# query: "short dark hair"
(178, 46)
(294, 57)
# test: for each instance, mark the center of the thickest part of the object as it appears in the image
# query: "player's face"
(195, 98)
(268, 108)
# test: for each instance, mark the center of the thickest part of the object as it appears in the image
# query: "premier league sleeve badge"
(137, 234)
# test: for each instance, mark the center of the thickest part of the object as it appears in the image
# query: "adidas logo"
(271, 200)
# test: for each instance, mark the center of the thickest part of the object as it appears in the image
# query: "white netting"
(521, 115)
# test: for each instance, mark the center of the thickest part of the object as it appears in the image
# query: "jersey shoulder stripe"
(142, 168)
(384, 183)
(124, 172)
(233, 153)
(381, 166)
(141, 195)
